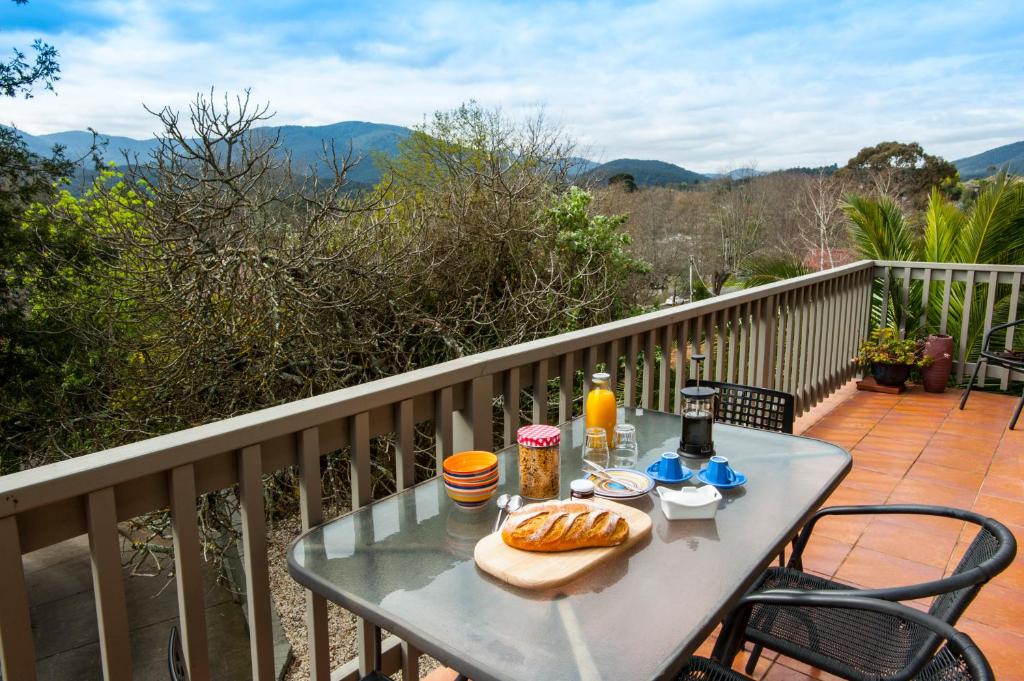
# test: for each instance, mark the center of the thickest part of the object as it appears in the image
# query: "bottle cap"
(582, 486)
(602, 376)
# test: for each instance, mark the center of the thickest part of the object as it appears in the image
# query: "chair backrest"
(991, 552)
(752, 407)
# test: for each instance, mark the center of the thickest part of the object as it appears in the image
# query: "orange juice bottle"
(599, 412)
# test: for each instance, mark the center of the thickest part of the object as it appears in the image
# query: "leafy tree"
(19, 75)
(65, 355)
(24, 178)
(595, 249)
(901, 170)
(624, 180)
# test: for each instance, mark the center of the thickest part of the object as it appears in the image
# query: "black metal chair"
(1011, 360)
(175, 657)
(752, 407)
(861, 647)
(958, 660)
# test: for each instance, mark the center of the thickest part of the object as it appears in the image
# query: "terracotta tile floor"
(918, 448)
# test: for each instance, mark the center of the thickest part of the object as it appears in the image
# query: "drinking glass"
(595, 447)
(626, 451)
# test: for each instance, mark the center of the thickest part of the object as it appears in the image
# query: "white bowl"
(689, 503)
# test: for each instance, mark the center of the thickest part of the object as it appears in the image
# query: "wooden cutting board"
(536, 570)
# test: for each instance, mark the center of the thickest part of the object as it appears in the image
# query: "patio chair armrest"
(874, 509)
(998, 327)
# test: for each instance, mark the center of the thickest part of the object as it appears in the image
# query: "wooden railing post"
(108, 585)
(17, 652)
(443, 427)
(540, 392)
(257, 573)
(359, 460)
(566, 389)
(1011, 316)
(629, 384)
(405, 450)
(766, 340)
(312, 514)
(471, 426)
(510, 404)
(188, 572)
(647, 389)
(965, 327)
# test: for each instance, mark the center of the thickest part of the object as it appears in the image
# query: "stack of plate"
(470, 478)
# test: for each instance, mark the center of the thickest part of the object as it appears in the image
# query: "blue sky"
(709, 85)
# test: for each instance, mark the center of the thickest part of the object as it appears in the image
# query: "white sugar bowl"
(689, 503)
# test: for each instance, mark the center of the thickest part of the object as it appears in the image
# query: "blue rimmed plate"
(614, 489)
(740, 480)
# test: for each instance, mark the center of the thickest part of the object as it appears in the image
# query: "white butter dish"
(689, 503)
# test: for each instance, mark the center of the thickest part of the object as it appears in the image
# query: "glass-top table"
(406, 563)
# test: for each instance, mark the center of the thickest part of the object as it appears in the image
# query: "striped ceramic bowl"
(470, 464)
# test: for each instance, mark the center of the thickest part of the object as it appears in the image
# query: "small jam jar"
(581, 489)
(539, 461)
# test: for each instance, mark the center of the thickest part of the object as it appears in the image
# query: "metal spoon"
(503, 500)
(515, 503)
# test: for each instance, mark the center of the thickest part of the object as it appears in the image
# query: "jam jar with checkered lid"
(539, 461)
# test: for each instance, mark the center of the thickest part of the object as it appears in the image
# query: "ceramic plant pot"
(935, 376)
(893, 375)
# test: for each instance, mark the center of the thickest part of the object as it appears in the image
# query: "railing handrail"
(33, 488)
(954, 266)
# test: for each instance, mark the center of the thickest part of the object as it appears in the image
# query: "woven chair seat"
(854, 643)
(946, 666)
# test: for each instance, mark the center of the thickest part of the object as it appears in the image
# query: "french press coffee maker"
(698, 417)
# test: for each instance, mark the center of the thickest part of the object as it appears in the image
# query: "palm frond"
(943, 225)
(770, 269)
(878, 229)
(993, 231)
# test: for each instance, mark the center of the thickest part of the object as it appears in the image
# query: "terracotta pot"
(893, 375)
(935, 376)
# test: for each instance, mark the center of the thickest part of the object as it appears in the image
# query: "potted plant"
(891, 358)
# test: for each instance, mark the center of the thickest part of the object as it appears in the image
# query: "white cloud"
(685, 83)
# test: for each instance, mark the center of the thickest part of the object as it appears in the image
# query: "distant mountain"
(581, 166)
(1010, 156)
(76, 143)
(304, 143)
(645, 173)
(738, 174)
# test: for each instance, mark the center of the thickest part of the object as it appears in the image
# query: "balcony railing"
(797, 335)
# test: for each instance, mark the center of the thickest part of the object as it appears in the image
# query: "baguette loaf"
(563, 526)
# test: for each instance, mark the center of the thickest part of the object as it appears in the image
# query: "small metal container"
(581, 489)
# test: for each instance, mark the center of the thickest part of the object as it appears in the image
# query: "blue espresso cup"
(670, 467)
(718, 471)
